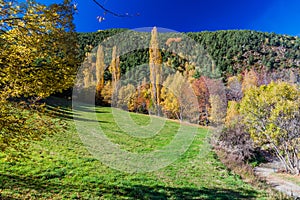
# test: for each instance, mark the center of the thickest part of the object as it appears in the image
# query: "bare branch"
(113, 13)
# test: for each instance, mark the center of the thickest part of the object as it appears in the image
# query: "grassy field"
(60, 167)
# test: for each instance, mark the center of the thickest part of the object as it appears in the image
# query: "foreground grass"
(60, 167)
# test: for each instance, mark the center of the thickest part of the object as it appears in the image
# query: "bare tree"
(108, 11)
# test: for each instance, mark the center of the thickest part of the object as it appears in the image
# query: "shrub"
(236, 141)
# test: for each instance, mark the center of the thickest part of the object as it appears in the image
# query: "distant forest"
(233, 51)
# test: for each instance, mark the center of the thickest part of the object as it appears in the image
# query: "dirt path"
(284, 186)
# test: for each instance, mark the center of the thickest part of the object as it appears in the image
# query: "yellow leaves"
(250, 80)
(232, 113)
(171, 94)
(170, 102)
(36, 50)
(271, 110)
(32, 66)
(100, 67)
(155, 64)
(125, 94)
(217, 110)
(115, 67)
(106, 92)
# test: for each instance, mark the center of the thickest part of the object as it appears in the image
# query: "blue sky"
(279, 16)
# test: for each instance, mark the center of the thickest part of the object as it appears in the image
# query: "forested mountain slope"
(232, 51)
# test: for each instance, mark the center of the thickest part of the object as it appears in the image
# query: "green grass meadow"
(60, 167)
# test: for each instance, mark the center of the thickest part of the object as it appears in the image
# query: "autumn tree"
(217, 100)
(106, 93)
(141, 101)
(155, 64)
(115, 69)
(169, 95)
(272, 117)
(38, 48)
(201, 91)
(217, 111)
(125, 94)
(87, 67)
(250, 79)
(178, 99)
(100, 68)
(232, 113)
(37, 59)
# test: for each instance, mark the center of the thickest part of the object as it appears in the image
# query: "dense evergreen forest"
(233, 51)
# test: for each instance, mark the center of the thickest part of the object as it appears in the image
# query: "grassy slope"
(60, 167)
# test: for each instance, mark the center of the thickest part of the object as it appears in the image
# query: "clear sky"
(279, 16)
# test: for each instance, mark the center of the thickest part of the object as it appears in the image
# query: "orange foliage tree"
(201, 91)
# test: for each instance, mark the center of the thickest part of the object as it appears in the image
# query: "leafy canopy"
(272, 117)
(38, 48)
(37, 58)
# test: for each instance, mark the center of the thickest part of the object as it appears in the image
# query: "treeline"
(218, 69)
(232, 51)
(152, 87)
(235, 51)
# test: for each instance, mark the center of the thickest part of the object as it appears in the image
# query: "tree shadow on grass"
(46, 187)
(62, 108)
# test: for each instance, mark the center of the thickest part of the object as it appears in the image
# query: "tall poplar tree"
(115, 69)
(155, 64)
(100, 67)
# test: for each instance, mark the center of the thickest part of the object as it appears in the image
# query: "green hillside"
(232, 51)
(60, 167)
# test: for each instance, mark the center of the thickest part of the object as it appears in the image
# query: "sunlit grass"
(60, 167)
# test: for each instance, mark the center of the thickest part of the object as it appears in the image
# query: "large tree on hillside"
(115, 69)
(37, 58)
(202, 93)
(272, 117)
(100, 68)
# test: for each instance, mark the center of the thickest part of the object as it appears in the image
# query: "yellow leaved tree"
(37, 58)
(155, 64)
(272, 117)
